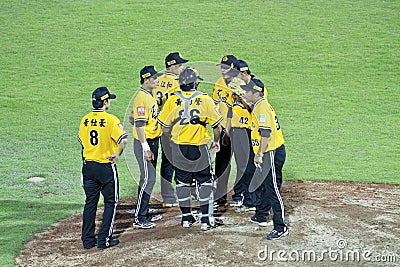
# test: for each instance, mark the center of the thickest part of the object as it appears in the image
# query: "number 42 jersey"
(188, 119)
(99, 134)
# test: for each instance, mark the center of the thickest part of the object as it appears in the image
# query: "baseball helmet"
(189, 76)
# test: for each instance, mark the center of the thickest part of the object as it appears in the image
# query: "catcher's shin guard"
(183, 192)
(206, 201)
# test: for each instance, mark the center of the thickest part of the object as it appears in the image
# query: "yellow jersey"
(222, 97)
(145, 109)
(264, 117)
(241, 116)
(167, 84)
(99, 134)
(189, 123)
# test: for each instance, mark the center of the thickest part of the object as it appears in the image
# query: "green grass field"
(331, 69)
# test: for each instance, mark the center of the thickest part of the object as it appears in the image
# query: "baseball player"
(267, 141)
(146, 133)
(168, 84)
(222, 97)
(185, 116)
(242, 71)
(103, 139)
(239, 127)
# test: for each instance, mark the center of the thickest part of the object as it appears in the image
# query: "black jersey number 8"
(94, 140)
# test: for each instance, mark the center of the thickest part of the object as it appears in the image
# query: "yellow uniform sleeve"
(141, 108)
(165, 116)
(213, 115)
(145, 110)
(117, 132)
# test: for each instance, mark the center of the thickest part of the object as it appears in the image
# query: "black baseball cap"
(254, 84)
(242, 66)
(149, 71)
(174, 58)
(101, 94)
(238, 67)
(228, 61)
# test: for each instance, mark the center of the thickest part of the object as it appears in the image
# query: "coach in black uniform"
(103, 139)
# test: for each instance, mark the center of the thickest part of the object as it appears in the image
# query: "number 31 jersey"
(189, 128)
(167, 84)
(99, 134)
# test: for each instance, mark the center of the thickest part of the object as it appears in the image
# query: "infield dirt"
(331, 224)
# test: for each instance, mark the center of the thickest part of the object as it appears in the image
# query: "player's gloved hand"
(235, 84)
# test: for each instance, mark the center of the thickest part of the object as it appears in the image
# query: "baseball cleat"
(218, 222)
(244, 209)
(189, 223)
(205, 227)
(154, 217)
(89, 246)
(254, 219)
(236, 203)
(144, 224)
(152, 210)
(169, 205)
(275, 235)
(220, 203)
(111, 243)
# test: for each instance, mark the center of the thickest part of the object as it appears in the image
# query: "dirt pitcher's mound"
(344, 224)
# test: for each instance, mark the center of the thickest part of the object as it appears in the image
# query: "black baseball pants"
(244, 158)
(99, 178)
(167, 171)
(193, 164)
(269, 191)
(222, 170)
(147, 177)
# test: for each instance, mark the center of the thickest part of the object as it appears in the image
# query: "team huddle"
(170, 113)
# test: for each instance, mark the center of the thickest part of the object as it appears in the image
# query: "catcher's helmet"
(187, 76)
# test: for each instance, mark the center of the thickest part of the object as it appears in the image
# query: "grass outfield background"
(331, 69)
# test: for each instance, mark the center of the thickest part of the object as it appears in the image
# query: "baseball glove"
(235, 84)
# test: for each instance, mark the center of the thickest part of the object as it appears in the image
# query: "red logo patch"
(141, 111)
